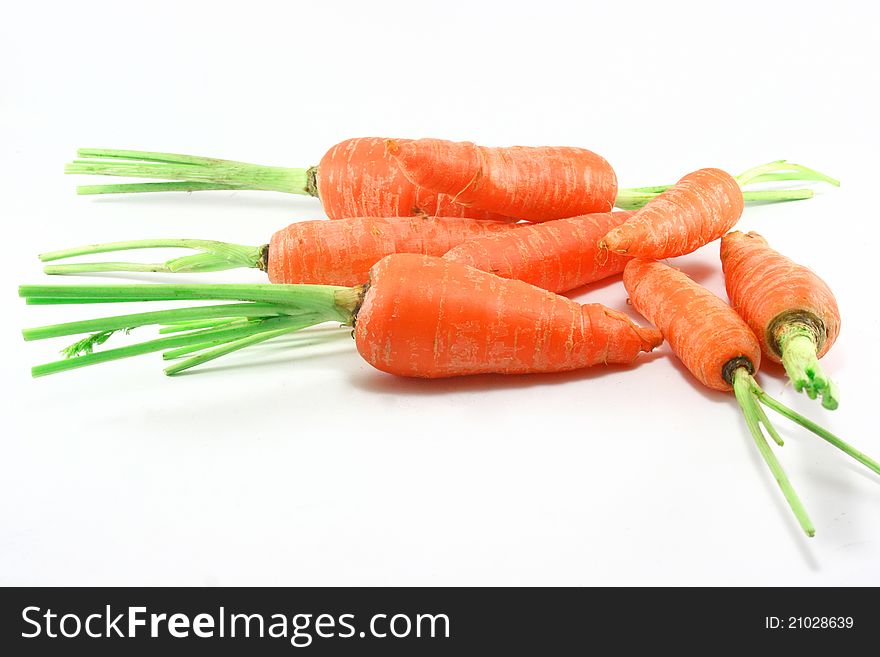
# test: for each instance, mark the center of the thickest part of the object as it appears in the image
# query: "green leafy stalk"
(742, 388)
(235, 345)
(263, 312)
(811, 426)
(185, 173)
(212, 256)
(750, 395)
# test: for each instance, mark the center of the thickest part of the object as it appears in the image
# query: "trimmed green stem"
(797, 343)
(186, 172)
(222, 334)
(268, 311)
(742, 388)
(781, 170)
(750, 395)
(212, 256)
(236, 345)
(122, 322)
(823, 433)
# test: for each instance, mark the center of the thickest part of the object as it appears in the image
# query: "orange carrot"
(791, 310)
(434, 318)
(557, 255)
(534, 183)
(721, 351)
(703, 331)
(419, 316)
(699, 209)
(355, 178)
(321, 252)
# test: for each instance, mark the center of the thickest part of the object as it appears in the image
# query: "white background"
(306, 466)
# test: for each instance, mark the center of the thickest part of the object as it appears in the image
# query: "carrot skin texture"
(532, 183)
(698, 209)
(703, 331)
(763, 284)
(357, 178)
(342, 252)
(558, 255)
(430, 318)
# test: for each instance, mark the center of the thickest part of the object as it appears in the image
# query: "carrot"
(419, 316)
(720, 350)
(359, 178)
(790, 309)
(355, 178)
(699, 209)
(557, 255)
(321, 252)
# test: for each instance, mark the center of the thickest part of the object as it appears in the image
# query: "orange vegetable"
(721, 351)
(700, 208)
(419, 316)
(790, 309)
(557, 255)
(429, 317)
(533, 183)
(703, 331)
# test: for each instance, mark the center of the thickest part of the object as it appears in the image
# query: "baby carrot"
(419, 316)
(699, 209)
(720, 350)
(790, 309)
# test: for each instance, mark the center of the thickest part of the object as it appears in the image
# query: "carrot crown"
(211, 256)
(200, 333)
(187, 173)
(777, 171)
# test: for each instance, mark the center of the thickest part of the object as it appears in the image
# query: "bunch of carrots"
(449, 259)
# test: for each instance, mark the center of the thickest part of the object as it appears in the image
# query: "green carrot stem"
(212, 256)
(823, 433)
(139, 188)
(780, 170)
(797, 343)
(235, 345)
(177, 327)
(120, 322)
(180, 352)
(205, 172)
(335, 300)
(267, 308)
(768, 426)
(158, 344)
(742, 388)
